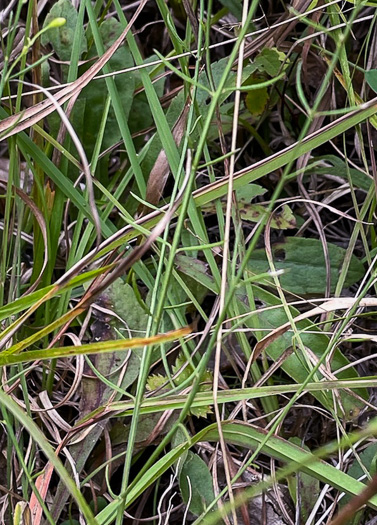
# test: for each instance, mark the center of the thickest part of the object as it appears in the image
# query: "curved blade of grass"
(42, 225)
(29, 149)
(152, 405)
(307, 462)
(254, 172)
(8, 358)
(216, 189)
(272, 318)
(328, 306)
(278, 448)
(39, 438)
(114, 95)
(35, 299)
(159, 117)
(250, 437)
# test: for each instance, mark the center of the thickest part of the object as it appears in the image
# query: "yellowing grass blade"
(93, 348)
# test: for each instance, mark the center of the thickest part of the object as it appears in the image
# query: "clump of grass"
(188, 262)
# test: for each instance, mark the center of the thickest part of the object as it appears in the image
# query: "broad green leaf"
(140, 116)
(339, 169)
(196, 484)
(198, 291)
(217, 71)
(269, 61)
(250, 438)
(61, 38)
(256, 100)
(87, 117)
(100, 503)
(303, 486)
(196, 269)
(312, 337)
(371, 78)
(248, 192)
(304, 265)
(122, 300)
(234, 7)
(273, 318)
(255, 212)
(284, 220)
(226, 116)
(368, 458)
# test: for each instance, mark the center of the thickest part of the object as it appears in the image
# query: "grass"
(187, 274)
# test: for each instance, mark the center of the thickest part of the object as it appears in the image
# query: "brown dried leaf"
(160, 171)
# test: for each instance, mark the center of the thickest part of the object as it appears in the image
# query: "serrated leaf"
(196, 484)
(201, 411)
(304, 266)
(155, 381)
(61, 38)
